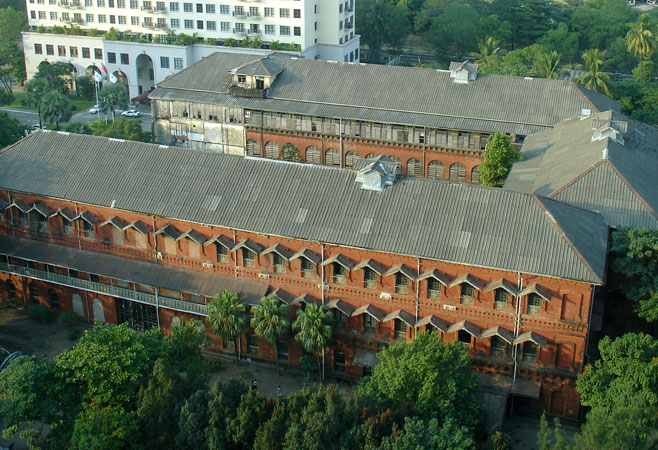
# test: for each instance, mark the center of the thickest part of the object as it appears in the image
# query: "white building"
(139, 66)
(322, 29)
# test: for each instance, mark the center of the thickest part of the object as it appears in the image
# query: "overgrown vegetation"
(119, 389)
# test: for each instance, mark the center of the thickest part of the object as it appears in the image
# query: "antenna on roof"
(114, 203)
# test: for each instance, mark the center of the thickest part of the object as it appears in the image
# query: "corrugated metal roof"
(455, 222)
(318, 86)
(619, 180)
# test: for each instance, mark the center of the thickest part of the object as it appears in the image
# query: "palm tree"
(227, 318)
(314, 329)
(486, 49)
(549, 65)
(56, 107)
(595, 78)
(269, 321)
(640, 41)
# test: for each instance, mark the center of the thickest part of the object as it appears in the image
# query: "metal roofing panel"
(110, 171)
(494, 98)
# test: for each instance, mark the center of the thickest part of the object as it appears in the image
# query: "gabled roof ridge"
(577, 86)
(577, 177)
(633, 190)
(560, 230)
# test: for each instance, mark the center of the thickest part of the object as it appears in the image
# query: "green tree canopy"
(10, 131)
(437, 379)
(27, 393)
(498, 160)
(121, 128)
(381, 23)
(193, 422)
(418, 433)
(55, 75)
(451, 31)
(106, 427)
(107, 364)
(634, 257)
(626, 374)
(56, 108)
(227, 318)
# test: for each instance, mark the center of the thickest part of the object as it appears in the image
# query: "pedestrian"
(279, 393)
(254, 385)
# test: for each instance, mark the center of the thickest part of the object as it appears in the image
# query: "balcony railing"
(160, 10)
(115, 291)
(253, 15)
(349, 25)
(239, 14)
(147, 8)
(253, 32)
(148, 25)
(160, 26)
(238, 31)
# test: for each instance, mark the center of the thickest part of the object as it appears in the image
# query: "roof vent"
(584, 113)
(376, 174)
(464, 72)
(609, 129)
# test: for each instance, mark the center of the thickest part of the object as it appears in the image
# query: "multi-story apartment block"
(435, 122)
(130, 232)
(318, 29)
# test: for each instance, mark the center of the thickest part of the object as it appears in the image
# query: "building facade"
(435, 122)
(99, 233)
(322, 30)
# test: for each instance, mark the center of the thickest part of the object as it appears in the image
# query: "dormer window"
(242, 79)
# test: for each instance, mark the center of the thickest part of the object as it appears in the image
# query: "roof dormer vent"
(464, 72)
(376, 174)
(254, 78)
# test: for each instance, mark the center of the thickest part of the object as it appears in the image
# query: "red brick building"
(436, 123)
(129, 232)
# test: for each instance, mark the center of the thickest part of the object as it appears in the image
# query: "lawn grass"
(78, 103)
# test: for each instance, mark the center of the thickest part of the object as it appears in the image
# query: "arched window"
(350, 158)
(414, 168)
(394, 158)
(253, 147)
(372, 156)
(457, 172)
(435, 170)
(331, 157)
(475, 175)
(313, 155)
(53, 299)
(272, 150)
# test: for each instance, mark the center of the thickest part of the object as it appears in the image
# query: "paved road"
(30, 117)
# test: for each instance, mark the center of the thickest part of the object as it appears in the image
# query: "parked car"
(94, 109)
(131, 113)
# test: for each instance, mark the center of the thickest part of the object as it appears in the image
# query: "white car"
(131, 113)
(94, 109)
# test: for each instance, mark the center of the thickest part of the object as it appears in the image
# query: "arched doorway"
(121, 77)
(72, 75)
(145, 73)
(76, 301)
(99, 313)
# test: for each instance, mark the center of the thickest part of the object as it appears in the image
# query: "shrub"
(74, 334)
(40, 312)
(66, 318)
